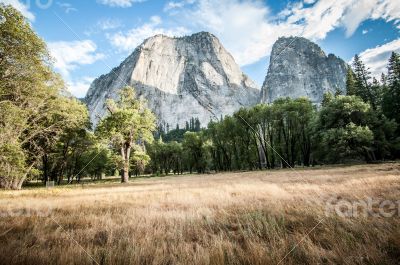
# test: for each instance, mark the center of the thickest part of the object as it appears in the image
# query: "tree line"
(362, 125)
(45, 133)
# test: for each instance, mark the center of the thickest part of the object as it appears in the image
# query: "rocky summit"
(181, 78)
(299, 67)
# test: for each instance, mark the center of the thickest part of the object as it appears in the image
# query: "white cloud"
(103, 25)
(130, 40)
(173, 5)
(67, 7)
(21, 7)
(245, 28)
(107, 24)
(377, 58)
(248, 29)
(69, 55)
(80, 87)
(119, 3)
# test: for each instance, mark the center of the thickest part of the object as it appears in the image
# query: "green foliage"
(350, 82)
(391, 98)
(342, 110)
(193, 146)
(127, 126)
(361, 86)
(166, 157)
(342, 131)
(43, 131)
(139, 160)
(177, 133)
(263, 136)
(33, 111)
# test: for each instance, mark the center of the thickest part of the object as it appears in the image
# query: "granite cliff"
(181, 78)
(299, 67)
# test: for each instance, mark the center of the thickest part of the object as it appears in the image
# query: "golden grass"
(227, 218)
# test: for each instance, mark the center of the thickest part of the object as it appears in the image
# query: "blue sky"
(88, 38)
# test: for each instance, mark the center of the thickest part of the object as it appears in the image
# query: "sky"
(87, 38)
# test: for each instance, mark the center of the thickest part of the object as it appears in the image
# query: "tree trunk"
(45, 168)
(125, 153)
(125, 175)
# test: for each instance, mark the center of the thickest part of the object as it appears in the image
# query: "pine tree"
(362, 86)
(197, 125)
(393, 76)
(383, 79)
(391, 99)
(350, 82)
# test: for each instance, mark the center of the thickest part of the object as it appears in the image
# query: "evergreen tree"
(362, 87)
(391, 99)
(393, 76)
(350, 82)
(197, 126)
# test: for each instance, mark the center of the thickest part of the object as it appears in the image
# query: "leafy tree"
(166, 157)
(34, 108)
(194, 152)
(350, 141)
(248, 138)
(293, 129)
(128, 124)
(342, 130)
(139, 160)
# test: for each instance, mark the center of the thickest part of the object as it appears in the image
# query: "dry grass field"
(269, 217)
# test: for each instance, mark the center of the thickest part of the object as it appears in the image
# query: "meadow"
(263, 217)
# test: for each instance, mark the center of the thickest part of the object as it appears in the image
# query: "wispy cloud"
(172, 5)
(70, 56)
(103, 25)
(377, 58)
(128, 41)
(107, 24)
(67, 7)
(119, 3)
(248, 28)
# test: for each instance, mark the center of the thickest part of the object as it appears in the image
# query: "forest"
(46, 135)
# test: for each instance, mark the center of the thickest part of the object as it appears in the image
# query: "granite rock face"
(181, 78)
(299, 67)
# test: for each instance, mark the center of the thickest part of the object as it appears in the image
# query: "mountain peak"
(299, 67)
(300, 44)
(180, 77)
